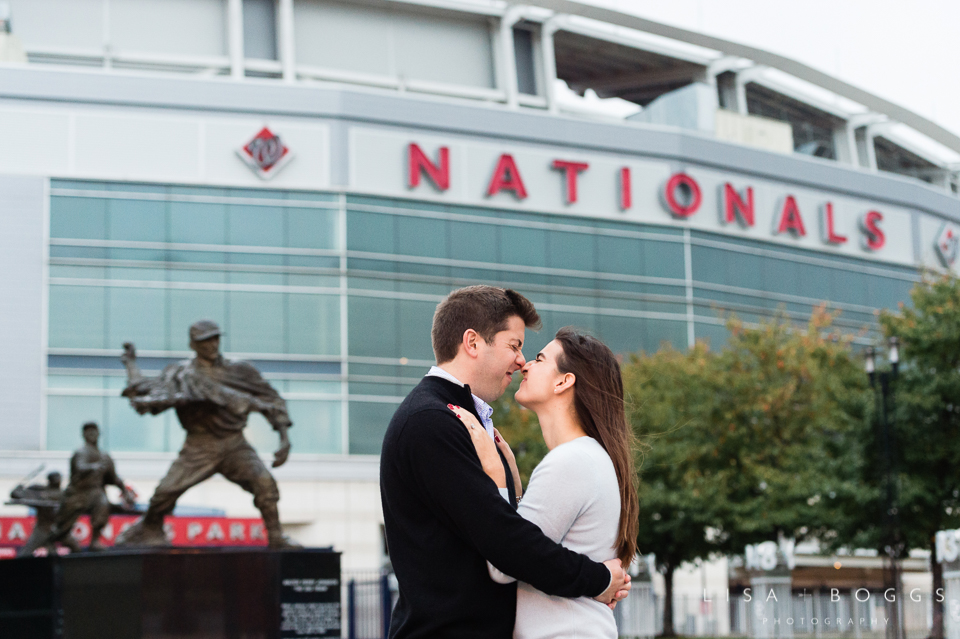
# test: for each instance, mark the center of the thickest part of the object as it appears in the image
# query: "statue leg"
(37, 539)
(99, 516)
(71, 507)
(197, 461)
(243, 467)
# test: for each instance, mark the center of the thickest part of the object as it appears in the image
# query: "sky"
(905, 51)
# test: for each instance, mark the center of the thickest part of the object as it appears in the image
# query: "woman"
(583, 494)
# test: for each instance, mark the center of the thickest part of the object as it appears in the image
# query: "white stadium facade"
(315, 175)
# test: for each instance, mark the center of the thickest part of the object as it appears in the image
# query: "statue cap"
(204, 329)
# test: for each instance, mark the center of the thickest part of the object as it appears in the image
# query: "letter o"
(857, 594)
(675, 206)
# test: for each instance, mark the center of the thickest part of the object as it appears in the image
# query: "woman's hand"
(486, 448)
(511, 461)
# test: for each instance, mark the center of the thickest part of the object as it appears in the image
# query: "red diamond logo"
(265, 154)
(948, 245)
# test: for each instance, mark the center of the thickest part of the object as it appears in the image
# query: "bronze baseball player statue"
(91, 470)
(212, 397)
(45, 500)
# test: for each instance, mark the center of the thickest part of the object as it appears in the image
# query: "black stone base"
(195, 593)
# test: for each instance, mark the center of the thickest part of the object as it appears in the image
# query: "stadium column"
(23, 289)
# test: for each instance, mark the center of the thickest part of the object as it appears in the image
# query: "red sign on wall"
(181, 531)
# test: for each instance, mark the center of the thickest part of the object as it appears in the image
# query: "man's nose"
(521, 360)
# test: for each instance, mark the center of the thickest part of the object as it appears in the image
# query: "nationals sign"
(181, 531)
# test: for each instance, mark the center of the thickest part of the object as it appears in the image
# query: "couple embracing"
(475, 554)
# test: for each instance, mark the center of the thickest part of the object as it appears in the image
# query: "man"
(44, 499)
(91, 470)
(444, 517)
(213, 397)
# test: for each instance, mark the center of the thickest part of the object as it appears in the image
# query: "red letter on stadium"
(571, 171)
(827, 233)
(506, 177)
(790, 219)
(735, 209)
(626, 192)
(873, 238)
(689, 192)
(418, 162)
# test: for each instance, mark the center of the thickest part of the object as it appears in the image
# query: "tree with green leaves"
(926, 417)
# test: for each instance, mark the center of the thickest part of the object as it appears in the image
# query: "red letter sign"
(688, 184)
(790, 219)
(626, 193)
(734, 208)
(873, 238)
(827, 233)
(417, 162)
(571, 170)
(506, 177)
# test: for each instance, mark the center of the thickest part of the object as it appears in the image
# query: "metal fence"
(369, 598)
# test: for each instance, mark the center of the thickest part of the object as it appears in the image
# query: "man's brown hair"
(485, 309)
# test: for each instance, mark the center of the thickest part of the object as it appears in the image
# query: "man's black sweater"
(445, 518)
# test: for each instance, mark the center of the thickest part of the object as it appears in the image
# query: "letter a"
(506, 177)
(790, 220)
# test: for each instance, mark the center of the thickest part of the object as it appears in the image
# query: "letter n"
(736, 208)
(418, 163)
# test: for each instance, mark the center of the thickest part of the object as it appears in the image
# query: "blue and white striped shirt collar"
(484, 410)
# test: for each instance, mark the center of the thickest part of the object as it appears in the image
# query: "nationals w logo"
(265, 154)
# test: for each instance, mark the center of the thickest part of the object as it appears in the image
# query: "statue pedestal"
(173, 593)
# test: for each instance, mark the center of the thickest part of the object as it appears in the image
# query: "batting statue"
(212, 397)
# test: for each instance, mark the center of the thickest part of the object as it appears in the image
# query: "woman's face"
(540, 377)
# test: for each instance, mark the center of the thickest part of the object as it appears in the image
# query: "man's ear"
(564, 383)
(470, 343)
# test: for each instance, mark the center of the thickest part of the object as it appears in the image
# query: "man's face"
(208, 349)
(499, 360)
(91, 435)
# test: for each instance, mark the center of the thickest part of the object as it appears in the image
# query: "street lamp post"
(893, 543)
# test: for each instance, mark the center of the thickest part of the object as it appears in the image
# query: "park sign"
(180, 531)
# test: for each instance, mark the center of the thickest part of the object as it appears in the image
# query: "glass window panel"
(313, 261)
(137, 220)
(151, 255)
(709, 264)
(198, 223)
(259, 29)
(780, 275)
(197, 257)
(373, 327)
(849, 287)
(137, 274)
(190, 275)
(316, 426)
(128, 431)
(75, 381)
(368, 423)
(83, 252)
(416, 318)
(621, 334)
(571, 251)
(79, 272)
(78, 218)
(302, 279)
(371, 232)
(618, 255)
(313, 324)
(523, 246)
(137, 315)
(65, 418)
(421, 236)
(814, 281)
(745, 270)
(252, 277)
(255, 225)
(256, 322)
(76, 317)
(311, 386)
(473, 242)
(312, 228)
(257, 259)
(659, 331)
(663, 259)
(188, 306)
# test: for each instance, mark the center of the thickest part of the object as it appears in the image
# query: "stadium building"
(316, 175)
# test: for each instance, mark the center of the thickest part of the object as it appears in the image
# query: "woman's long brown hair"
(598, 401)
